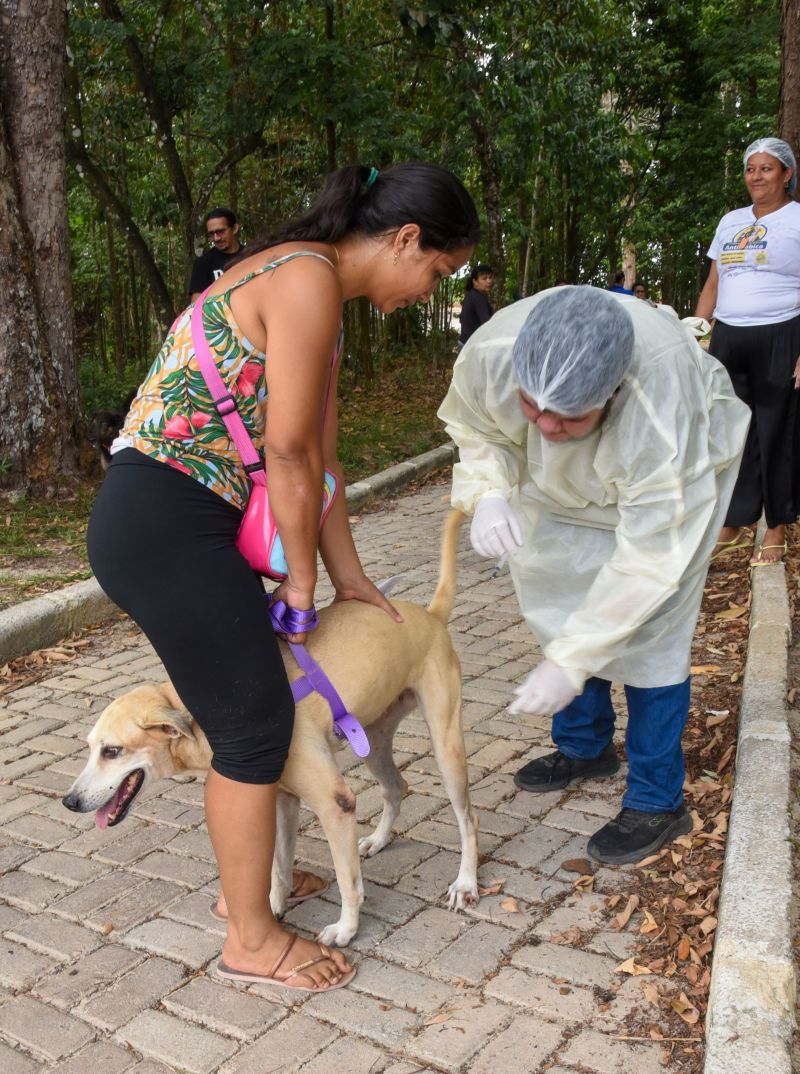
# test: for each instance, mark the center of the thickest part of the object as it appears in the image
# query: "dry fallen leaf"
(571, 936)
(624, 916)
(704, 669)
(510, 905)
(725, 758)
(651, 860)
(732, 612)
(437, 1019)
(651, 992)
(577, 865)
(494, 889)
(649, 924)
(683, 948)
(631, 967)
(717, 718)
(686, 1009)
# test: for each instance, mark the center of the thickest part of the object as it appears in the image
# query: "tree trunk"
(40, 370)
(359, 342)
(117, 296)
(161, 118)
(789, 123)
(330, 125)
(490, 187)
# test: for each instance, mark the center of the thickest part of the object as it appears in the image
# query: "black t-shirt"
(475, 311)
(209, 267)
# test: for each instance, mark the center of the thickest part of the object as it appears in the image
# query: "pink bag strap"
(222, 398)
(224, 401)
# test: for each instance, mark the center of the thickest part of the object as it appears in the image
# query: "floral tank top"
(173, 417)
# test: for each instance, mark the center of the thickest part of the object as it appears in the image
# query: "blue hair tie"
(373, 175)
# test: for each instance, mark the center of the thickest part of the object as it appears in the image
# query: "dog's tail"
(443, 599)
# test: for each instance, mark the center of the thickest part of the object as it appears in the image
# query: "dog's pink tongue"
(102, 815)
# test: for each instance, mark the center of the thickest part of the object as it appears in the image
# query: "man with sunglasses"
(598, 448)
(222, 229)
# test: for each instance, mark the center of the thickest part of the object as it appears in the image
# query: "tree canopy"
(590, 132)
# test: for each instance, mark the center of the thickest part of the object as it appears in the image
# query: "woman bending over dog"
(162, 537)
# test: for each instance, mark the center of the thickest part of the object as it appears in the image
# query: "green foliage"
(579, 126)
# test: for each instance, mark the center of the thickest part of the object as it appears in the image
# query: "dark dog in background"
(105, 427)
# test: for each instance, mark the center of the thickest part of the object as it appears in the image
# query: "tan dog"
(382, 671)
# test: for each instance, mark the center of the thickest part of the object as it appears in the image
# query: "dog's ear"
(173, 723)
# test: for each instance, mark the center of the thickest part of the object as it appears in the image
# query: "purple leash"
(286, 620)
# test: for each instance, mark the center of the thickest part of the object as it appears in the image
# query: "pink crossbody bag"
(258, 540)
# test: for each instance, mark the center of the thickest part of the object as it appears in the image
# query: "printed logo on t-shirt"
(748, 238)
(217, 272)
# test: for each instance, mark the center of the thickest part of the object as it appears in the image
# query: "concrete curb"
(397, 477)
(35, 624)
(751, 1002)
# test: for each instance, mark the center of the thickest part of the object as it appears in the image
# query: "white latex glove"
(495, 529)
(698, 326)
(545, 691)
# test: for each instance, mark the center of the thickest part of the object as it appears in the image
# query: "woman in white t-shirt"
(753, 292)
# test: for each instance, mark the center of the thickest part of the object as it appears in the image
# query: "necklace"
(338, 259)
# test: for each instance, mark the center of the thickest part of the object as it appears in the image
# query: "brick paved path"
(107, 941)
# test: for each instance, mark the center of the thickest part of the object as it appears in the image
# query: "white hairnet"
(573, 350)
(776, 147)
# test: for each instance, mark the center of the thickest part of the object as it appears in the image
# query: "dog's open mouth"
(119, 803)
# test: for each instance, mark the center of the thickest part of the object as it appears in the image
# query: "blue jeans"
(656, 718)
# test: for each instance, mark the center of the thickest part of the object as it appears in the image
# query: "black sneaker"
(632, 835)
(555, 770)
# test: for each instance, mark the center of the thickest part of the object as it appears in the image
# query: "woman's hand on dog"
(299, 599)
(361, 588)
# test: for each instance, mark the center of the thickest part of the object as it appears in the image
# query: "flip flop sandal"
(721, 548)
(231, 974)
(293, 900)
(757, 561)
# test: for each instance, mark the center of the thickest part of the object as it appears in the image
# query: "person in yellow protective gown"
(598, 447)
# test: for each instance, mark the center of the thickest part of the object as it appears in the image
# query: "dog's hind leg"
(287, 816)
(441, 704)
(380, 762)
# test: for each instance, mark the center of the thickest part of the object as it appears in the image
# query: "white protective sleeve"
(491, 434)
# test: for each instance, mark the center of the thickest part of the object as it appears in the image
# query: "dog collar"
(314, 680)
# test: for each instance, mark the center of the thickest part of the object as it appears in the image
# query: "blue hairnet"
(573, 350)
(776, 147)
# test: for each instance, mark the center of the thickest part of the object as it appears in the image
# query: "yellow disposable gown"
(618, 526)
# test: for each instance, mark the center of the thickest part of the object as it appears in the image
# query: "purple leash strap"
(286, 620)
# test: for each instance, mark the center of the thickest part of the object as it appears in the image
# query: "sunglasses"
(213, 233)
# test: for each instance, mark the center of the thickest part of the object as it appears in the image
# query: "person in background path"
(222, 229)
(616, 283)
(753, 292)
(476, 308)
(640, 291)
(598, 448)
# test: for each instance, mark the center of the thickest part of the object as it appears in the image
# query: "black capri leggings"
(163, 547)
(760, 360)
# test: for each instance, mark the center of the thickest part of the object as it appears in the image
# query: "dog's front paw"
(278, 902)
(462, 893)
(337, 934)
(371, 844)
